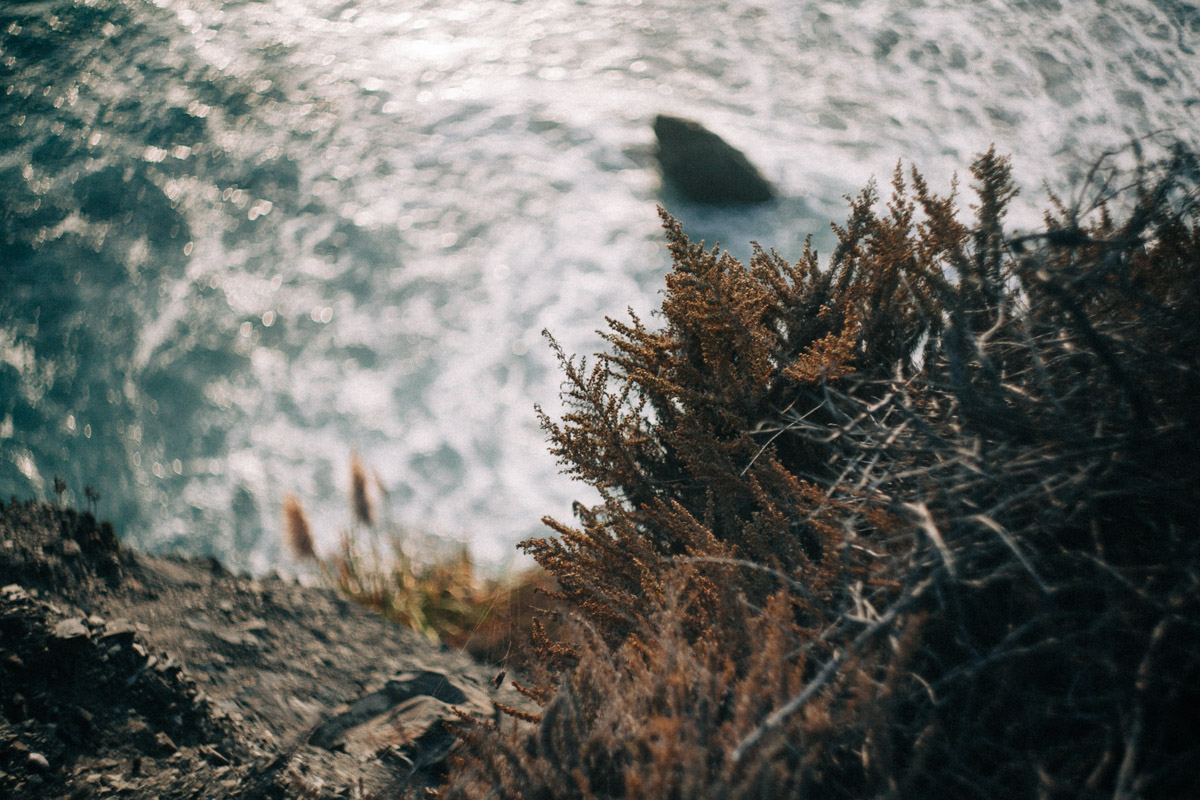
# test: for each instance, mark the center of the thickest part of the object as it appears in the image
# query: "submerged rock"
(703, 167)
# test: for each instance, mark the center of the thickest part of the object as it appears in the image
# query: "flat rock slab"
(173, 678)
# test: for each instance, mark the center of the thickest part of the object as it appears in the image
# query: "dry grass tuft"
(442, 596)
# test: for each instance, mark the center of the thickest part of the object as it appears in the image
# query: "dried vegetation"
(918, 522)
(441, 596)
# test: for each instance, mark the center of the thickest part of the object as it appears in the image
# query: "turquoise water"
(239, 240)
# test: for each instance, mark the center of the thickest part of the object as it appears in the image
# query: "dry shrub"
(919, 523)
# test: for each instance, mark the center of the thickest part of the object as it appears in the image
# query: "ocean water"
(241, 240)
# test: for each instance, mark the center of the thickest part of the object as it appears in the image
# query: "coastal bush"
(920, 521)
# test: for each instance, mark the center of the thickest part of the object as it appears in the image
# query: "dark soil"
(127, 675)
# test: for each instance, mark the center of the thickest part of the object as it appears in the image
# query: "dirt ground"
(126, 675)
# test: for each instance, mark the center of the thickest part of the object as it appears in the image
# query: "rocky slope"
(135, 676)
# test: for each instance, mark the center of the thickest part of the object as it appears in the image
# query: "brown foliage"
(296, 532)
(920, 522)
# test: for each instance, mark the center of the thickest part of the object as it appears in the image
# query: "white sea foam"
(410, 192)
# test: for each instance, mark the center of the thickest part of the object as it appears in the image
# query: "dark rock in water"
(703, 167)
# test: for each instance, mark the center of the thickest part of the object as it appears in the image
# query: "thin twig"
(926, 524)
(751, 740)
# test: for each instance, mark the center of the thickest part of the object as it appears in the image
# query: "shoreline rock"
(142, 676)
